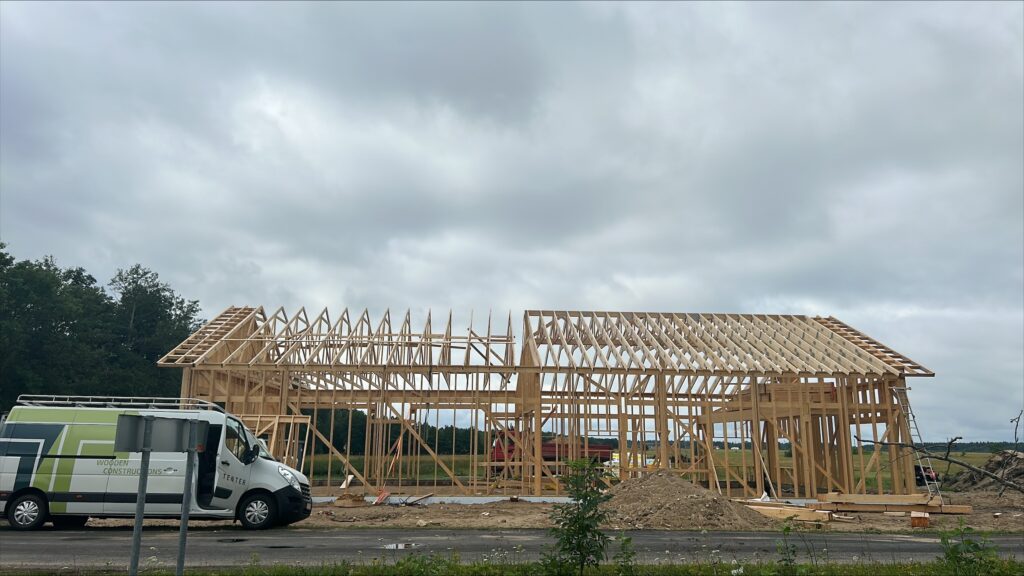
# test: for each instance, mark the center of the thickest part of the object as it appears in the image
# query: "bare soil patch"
(664, 501)
(654, 502)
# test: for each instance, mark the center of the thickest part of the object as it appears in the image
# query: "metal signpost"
(148, 434)
(140, 498)
(186, 500)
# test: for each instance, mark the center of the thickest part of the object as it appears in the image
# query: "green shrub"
(625, 558)
(786, 549)
(962, 554)
(579, 541)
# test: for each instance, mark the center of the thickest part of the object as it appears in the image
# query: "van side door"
(232, 469)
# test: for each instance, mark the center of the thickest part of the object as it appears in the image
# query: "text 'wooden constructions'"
(741, 403)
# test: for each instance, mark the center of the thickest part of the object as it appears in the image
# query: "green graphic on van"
(65, 455)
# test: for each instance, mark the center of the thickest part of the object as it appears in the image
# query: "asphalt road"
(219, 546)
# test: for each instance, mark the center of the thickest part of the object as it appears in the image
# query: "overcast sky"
(857, 160)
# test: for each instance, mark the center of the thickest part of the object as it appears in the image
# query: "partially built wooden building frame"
(742, 403)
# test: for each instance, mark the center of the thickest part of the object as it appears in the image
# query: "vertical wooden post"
(755, 435)
(661, 416)
(538, 437)
(186, 383)
(624, 458)
(893, 429)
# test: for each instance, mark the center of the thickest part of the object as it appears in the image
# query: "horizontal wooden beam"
(909, 499)
(844, 507)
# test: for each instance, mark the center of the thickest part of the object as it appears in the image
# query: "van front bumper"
(293, 505)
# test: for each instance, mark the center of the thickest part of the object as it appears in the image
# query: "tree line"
(62, 332)
(445, 439)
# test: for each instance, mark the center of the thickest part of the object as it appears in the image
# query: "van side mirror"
(252, 454)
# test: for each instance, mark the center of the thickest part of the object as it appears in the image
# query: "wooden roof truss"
(670, 388)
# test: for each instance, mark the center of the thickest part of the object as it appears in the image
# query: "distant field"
(461, 465)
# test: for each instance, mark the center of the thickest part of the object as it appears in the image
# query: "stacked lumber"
(923, 499)
(835, 502)
(792, 513)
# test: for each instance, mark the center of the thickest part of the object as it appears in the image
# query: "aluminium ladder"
(924, 462)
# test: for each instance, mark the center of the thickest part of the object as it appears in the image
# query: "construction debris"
(349, 500)
(1007, 464)
(413, 500)
(665, 501)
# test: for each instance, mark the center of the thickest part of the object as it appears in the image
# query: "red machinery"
(506, 449)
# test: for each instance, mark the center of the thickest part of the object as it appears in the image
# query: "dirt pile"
(668, 502)
(1006, 464)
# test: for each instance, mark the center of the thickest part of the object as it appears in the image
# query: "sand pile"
(1006, 464)
(666, 501)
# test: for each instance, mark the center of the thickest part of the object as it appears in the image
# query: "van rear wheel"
(27, 512)
(258, 512)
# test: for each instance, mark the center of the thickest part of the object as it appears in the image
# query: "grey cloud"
(861, 160)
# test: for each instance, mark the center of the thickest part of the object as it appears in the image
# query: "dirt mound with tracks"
(663, 501)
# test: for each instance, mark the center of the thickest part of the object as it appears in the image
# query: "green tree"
(55, 329)
(579, 541)
(151, 317)
(149, 320)
(62, 333)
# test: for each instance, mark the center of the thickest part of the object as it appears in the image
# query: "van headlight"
(289, 477)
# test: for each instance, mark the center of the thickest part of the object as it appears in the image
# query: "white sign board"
(169, 434)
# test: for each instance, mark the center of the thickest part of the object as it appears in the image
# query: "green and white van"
(57, 463)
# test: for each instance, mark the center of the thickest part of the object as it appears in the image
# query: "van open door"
(232, 466)
(206, 467)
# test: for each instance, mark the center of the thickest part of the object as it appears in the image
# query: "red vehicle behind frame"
(507, 449)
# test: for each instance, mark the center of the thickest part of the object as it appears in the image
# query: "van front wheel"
(27, 512)
(258, 512)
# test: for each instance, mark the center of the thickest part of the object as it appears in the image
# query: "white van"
(57, 463)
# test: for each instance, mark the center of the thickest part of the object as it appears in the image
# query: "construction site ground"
(672, 511)
(663, 501)
(991, 513)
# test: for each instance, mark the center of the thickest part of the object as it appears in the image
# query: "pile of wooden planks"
(785, 511)
(835, 502)
(792, 513)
